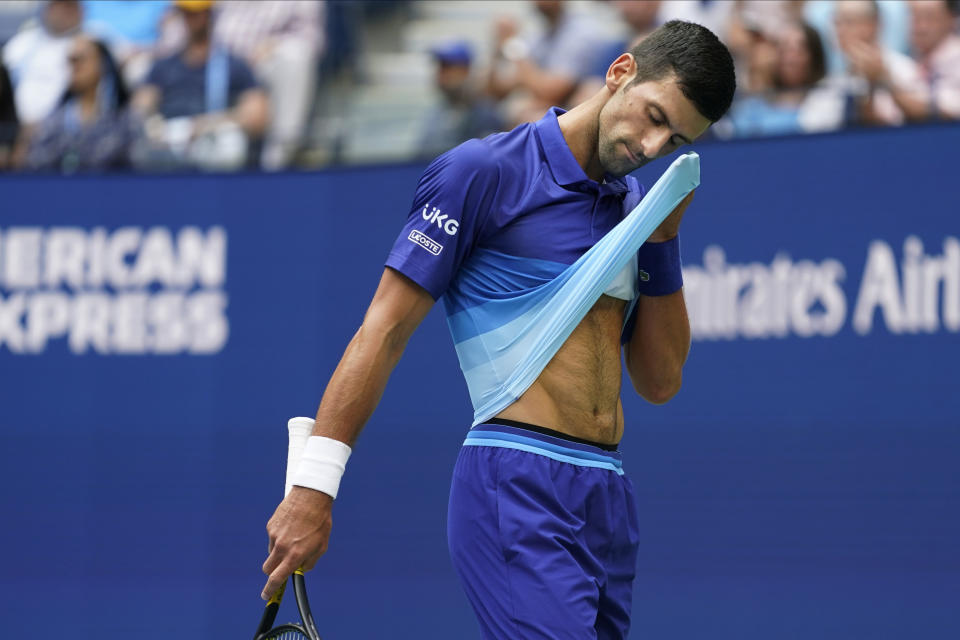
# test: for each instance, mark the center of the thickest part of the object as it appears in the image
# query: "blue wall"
(157, 332)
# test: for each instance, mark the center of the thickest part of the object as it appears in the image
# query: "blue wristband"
(658, 268)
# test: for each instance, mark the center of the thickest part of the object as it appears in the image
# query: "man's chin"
(622, 170)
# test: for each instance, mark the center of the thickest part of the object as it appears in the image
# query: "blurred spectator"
(758, 60)
(92, 128)
(463, 113)
(881, 86)
(936, 46)
(131, 29)
(37, 59)
(751, 35)
(796, 101)
(548, 68)
(203, 107)
(713, 14)
(894, 18)
(641, 17)
(9, 124)
(282, 41)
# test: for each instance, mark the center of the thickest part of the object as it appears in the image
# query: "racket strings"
(285, 632)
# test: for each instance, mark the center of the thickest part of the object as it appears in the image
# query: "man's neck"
(581, 130)
(197, 52)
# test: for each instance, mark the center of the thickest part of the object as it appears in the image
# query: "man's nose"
(654, 143)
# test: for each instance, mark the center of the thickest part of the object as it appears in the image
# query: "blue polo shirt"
(183, 88)
(493, 226)
(503, 214)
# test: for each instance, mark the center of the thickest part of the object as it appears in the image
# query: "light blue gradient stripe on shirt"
(537, 447)
(493, 275)
(502, 363)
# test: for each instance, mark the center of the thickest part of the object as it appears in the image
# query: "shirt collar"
(565, 169)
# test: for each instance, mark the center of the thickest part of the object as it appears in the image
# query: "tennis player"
(542, 521)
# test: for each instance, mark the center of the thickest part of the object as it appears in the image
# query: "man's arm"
(251, 113)
(910, 99)
(658, 349)
(546, 86)
(145, 100)
(660, 343)
(300, 527)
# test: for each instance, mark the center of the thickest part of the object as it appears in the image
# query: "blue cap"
(456, 52)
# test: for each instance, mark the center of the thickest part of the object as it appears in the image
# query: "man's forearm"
(357, 384)
(659, 346)
(551, 88)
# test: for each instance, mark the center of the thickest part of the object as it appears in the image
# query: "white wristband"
(322, 465)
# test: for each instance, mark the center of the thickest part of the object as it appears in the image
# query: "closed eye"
(675, 141)
(658, 119)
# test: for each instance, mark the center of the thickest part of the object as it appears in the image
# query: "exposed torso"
(578, 393)
(501, 254)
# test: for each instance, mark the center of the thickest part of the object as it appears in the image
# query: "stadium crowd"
(197, 84)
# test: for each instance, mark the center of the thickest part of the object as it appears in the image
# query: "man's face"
(550, 9)
(645, 121)
(855, 22)
(197, 23)
(930, 22)
(451, 78)
(62, 16)
(641, 15)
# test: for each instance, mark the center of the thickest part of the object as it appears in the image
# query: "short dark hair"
(702, 64)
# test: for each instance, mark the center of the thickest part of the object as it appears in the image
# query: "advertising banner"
(156, 332)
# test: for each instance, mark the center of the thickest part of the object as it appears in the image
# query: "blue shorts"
(543, 533)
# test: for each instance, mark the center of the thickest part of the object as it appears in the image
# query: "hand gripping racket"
(299, 430)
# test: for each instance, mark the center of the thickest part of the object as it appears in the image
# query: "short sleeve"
(241, 78)
(155, 77)
(453, 200)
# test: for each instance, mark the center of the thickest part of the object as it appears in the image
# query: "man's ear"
(621, 71)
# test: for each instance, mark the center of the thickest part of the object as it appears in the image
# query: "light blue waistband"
(539, 446)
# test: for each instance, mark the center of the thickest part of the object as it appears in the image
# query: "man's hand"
(300, 527)
(867, 60)
(299, 532)
(505, 27)
(669, 228)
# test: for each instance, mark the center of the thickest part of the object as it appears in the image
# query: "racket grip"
(299, 430)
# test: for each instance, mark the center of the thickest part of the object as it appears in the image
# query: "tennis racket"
(299, 430)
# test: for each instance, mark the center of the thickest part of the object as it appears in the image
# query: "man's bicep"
(398, 306)
(453, 200)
